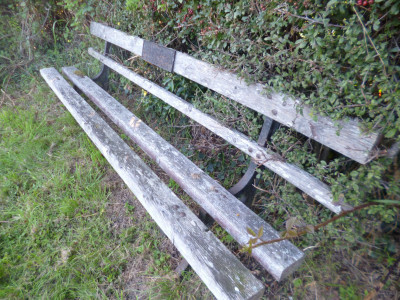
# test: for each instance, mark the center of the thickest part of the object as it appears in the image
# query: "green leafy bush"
(338, 57)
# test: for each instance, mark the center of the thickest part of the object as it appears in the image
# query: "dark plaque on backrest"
(159, 56)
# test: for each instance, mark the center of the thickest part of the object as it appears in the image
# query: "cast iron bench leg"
(102, 78)
(244, 189)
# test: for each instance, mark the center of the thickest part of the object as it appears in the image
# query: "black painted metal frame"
(102, 78)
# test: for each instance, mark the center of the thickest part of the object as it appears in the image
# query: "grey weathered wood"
(280, 259)
(351, 142)
(293, 174)
(219, 269)
(117, 37)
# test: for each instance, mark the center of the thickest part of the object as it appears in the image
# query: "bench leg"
(244, 189)
(102, 78)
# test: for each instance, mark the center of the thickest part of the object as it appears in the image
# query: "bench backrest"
(230, 85)
(347, 138)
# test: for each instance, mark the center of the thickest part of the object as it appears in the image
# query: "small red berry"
(360, 2)
(371, 2)
(365, 3)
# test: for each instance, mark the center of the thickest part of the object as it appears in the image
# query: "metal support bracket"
(102, 78)
(244, 189)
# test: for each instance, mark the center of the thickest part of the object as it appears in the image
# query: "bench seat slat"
(219, 269)
(351, 142)
(293, 174)
(280, 259)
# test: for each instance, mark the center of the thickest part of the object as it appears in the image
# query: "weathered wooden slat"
(351, 141)
(280, 259)
(117, 37)
(298, 177)
(219, 269)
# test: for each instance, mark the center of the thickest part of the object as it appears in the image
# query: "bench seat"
(219, 269)
(279, 259)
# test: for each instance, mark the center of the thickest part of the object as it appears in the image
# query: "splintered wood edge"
(219, 269)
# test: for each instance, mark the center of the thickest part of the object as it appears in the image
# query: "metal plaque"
(159, 56)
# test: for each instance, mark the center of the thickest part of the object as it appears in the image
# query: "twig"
(351, 105)
(311, 247)
(323, 224)
(44, 22)
(5, 36)
(187, 25)
(9, 59)
(290, 148)
(307, 19)
(260, 189)
(184, 126)
(372, 43)
(5, 94)
(165, 27)
(133, 57)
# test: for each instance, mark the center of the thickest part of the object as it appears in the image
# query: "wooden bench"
(219, 269)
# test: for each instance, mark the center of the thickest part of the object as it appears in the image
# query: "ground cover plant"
(69, 228)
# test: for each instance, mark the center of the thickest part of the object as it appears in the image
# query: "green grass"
(53, 232)
(56, 235)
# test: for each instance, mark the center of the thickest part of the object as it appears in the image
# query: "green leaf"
(376, 25)
(250, 231)
(394, 10)
(297, 282)
(391, 133)
(260, 232)
(291, 233)
(294, 222)
(309, 228)
(253, 241)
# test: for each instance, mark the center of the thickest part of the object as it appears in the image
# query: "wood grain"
(293, 174)
(280, 259)
(344, 136)
(219, 269)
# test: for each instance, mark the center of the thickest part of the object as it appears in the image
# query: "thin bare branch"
(372, 43)
(307, 18)
(323, 224)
